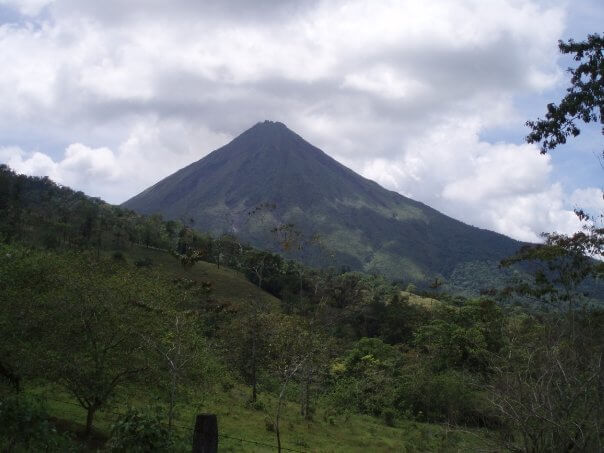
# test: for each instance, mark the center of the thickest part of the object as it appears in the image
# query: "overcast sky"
(428, 98)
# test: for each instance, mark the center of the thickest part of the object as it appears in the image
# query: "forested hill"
(361, 224)
(339, 361)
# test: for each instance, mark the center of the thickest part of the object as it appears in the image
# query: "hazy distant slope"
(366, 226)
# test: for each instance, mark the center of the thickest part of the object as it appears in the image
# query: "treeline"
(79, 313)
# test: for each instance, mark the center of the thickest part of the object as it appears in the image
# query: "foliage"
(463, 337)
(446, 396)
(366, 377)
(25, 426)
(140, 431)
(584, 100)
(346, 345)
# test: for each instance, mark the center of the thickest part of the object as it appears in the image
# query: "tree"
(584, 100)
(246, 339)
(549, 390)
(567, 255)
(94, 351)
(287, 343)
(548, 384)
(179, 348)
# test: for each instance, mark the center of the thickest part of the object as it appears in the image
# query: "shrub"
(269, 425)
(445, 396)
(140, 431)
(118, 256)
(257, 405)
(25, 426)
(143, 262)
(389, 416)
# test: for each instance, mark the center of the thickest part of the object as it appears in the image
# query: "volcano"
(360, 224)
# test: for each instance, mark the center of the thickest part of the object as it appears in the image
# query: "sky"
(428, 98)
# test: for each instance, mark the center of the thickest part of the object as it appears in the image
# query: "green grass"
(425, 302)
(228, 286)
(325, 433)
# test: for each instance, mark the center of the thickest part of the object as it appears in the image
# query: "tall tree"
(98, 306)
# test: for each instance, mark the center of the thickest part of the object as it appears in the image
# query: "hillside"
(118, 328)
(360, 224)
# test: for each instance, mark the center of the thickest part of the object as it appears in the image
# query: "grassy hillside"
(228, 287)
(242, 428)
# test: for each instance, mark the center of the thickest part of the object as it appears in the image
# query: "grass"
(327, 432)
(425, 302)
(228, 286)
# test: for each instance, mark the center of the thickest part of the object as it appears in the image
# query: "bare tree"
(550, 390)
(178, 347)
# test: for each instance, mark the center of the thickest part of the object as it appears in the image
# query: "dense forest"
(117, 328)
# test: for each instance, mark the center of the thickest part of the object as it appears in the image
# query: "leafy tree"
(462, 338)
(263, 269)
(247, 340)
(366, 377)
(584, 100)
(100, 306)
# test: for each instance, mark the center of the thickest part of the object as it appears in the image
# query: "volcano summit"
(361, 224)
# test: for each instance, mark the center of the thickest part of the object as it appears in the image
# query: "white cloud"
(27, 7)
(502, 187)
(590, 200)
(110, 174)
(116, 95)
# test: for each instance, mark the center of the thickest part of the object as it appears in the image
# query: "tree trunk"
(12, 378)
(172, 399)
(305, 403)
(254, 385)
(277, 431)
(90, 411)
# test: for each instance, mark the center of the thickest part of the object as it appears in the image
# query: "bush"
(389, 416)
(269, 425)
(25, 426)
(257, 405)
(435, 397)
(143, 262)
(140, 431)
(118, 256)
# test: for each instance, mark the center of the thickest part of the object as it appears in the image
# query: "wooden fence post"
(205, 436)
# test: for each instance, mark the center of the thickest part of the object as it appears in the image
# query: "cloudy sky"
(427, 97)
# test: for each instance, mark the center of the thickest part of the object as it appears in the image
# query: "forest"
(117, 328)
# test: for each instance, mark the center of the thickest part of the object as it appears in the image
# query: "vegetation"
(327, 348)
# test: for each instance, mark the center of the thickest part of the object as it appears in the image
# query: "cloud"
(590, 200)
(27, 7)
(128, 169)
(502, 187)
(110, 97)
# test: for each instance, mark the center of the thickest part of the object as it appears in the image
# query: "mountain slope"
(363, 225)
